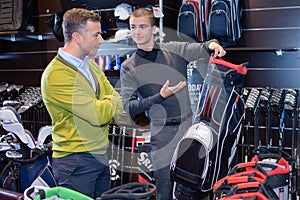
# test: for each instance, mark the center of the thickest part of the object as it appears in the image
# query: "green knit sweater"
(79, 116)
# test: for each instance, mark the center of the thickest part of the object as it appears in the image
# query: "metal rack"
(273, 126)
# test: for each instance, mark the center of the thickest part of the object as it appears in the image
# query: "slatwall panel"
(270, 42)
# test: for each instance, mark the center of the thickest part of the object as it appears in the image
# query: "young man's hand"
(218, 49)
(167, 91)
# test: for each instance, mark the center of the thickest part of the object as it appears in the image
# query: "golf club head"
(44, 132)
(8, 113)
(30, 140)
(13, 154)
(23, 108)
(16, 128)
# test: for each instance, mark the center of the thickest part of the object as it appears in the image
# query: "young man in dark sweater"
(153, 80)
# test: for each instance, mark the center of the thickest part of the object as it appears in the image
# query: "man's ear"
(155, 29)
(76, 37)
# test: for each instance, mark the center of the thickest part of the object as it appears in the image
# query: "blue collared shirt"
(81, 65)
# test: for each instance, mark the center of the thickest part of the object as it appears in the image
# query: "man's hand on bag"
(218, 49)
(167, 91)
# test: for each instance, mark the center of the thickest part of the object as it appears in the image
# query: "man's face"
(92, 38)
(141, 30)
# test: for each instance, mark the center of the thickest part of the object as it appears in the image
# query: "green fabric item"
(64, 193)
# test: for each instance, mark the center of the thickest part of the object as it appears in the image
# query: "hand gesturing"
(167, 91)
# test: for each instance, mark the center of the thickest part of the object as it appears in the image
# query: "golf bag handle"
(240, 69)
(244, 179)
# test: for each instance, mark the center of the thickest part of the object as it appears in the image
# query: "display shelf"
(109, 48)
(13, 35)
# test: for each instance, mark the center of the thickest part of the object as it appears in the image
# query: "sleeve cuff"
(158, 98)
(207, 44)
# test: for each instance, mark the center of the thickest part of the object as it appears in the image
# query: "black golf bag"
(206, 151)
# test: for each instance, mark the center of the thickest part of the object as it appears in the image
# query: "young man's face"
(141, 30)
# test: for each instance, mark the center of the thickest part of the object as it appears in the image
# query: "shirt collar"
(149, 55)
(74, 61)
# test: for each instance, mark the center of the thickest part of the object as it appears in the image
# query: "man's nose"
(100, 39)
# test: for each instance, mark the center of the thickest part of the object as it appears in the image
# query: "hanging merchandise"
(206, 151)
(55, 23)
(192, 20)
(224, 22)
(123, 11)
(16, 15)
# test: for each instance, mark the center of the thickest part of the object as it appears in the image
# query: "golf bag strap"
(42, 194)
(240, 69)
(188, 177)
(8, 181)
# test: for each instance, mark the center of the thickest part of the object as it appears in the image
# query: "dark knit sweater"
(144, 73)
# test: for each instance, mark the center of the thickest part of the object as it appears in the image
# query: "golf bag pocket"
(38, 173)
(195, 144)
(19, 175)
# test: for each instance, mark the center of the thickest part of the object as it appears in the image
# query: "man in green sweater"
(81, 103)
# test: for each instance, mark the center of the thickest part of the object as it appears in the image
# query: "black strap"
(130, 191)
(42, 194)
(59, 58)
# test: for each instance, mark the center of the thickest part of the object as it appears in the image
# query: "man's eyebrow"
(139, 25)
(97, 33)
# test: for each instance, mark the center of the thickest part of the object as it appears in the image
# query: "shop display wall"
(270, 42)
